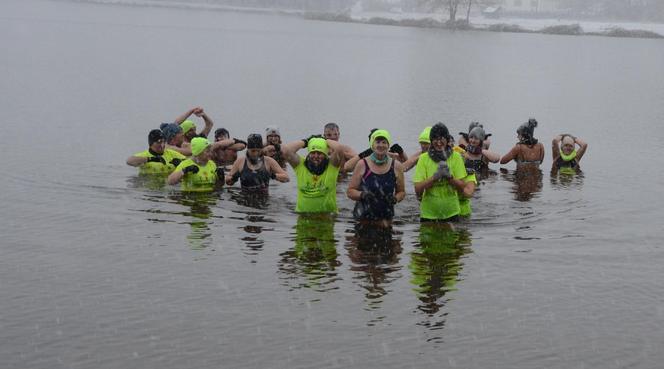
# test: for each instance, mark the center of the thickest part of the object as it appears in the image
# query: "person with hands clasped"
(157, 159)
(316, 173)
(198, 173)
(438, 178)
(377, 184)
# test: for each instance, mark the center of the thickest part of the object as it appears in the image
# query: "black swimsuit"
(254, 180)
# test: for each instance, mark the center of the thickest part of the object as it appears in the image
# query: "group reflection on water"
(200, 204)
(374, 254)
(527, 181)
(435, 263)
(312, 261)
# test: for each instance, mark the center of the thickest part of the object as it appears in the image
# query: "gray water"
(99, 269)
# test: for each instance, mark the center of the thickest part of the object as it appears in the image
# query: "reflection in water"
(314, 255)
(435, 265)
(527, 181)
(151, 182)
(200, 203)
(566, 177)
(251, 199)
(375, 254)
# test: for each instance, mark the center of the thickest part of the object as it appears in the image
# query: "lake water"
(99, 269)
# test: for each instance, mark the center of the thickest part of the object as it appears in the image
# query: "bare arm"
(354, 193)
(289, 152)
(340, 152)
(583, 146)
(208, 123)
(491, 156)
(175, 177)
(186, 115)
(555, 147)
(400, 190)
(184, 150)
(279, 172)
(412, 161)
(136, 161)
(237, 164)
(468, 189)
(510, 155)
(350, 164)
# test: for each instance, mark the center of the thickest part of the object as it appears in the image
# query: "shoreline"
(387, 19)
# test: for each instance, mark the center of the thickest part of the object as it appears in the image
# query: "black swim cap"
(254, 141)
(439, 130)
(154, 136)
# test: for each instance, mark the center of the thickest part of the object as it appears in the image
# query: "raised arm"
(289, 151)
(276, 169)
(412, 161)
(555, 147)
(340, 153)
(187, 114)
(583, 146)
(208, 123)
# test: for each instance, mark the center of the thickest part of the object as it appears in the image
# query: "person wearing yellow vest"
(470, 183)
(316, 173)
(438, 178)
(157, 159)
(565, 154)
(198, 173)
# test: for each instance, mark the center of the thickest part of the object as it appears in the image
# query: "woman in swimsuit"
(255, 169)
(527, 150)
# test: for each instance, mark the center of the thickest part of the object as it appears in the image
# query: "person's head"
(172, 133)
(331, 131)
(188, 129)
(200, 148)
(272, 135)
(254, 147)
(567, 145)
(318, 150)
(439, 136)
(379, 141)
(156, 141)
(476, 136)
(424, 140)
(526, 131)
(473, 125)
(221, 134)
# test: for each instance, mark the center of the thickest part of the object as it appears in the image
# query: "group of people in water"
(445, 174)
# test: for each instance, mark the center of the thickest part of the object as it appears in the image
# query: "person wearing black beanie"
(157, 159)
(255, 169)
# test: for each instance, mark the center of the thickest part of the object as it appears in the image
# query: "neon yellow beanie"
(380, 133)
(424, 136)
(198, 145)
(187, 125)
(318, 144)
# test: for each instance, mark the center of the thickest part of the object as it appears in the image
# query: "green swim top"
(316, 194)
(441, 201)
(159, 168)
(204, 180)
(464, 203)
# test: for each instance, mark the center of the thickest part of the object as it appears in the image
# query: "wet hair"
(154, 136)
(221, 132)
(527, 130)
(170, 130)
(331, 125)
(439, 130)
(254, 141)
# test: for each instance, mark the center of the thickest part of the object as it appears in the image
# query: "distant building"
(530, 6)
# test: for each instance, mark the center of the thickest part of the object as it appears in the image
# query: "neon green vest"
(442, 200)
(316, 194)
(159, 168)
(204, 180)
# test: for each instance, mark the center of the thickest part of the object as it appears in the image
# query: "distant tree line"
(650, 10)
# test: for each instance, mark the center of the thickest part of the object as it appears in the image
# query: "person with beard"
(255, 170)
(157, 159)
(316, 173)
(527, 150)
(439, 178)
